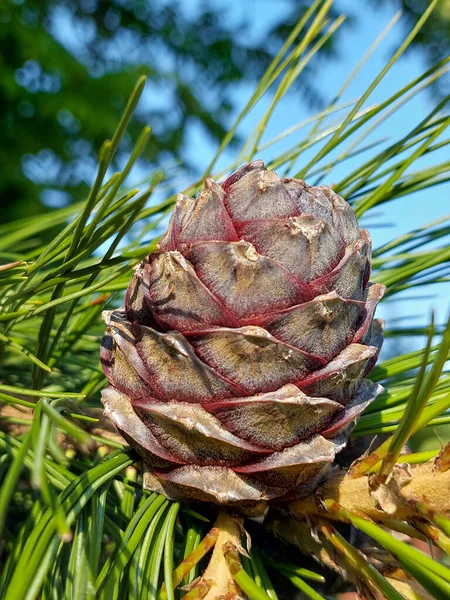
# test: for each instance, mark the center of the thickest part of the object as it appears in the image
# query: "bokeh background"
(68, 66)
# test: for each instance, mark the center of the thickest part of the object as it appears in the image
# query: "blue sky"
(403, 214)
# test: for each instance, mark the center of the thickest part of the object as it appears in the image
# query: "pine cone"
(237, 364)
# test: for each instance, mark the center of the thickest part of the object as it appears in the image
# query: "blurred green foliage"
(66, 72)
(66, 67)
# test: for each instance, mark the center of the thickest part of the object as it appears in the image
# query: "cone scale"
(237, 365)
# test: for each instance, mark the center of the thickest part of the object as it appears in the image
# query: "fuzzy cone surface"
(237, 365)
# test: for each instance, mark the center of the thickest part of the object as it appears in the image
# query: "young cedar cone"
(237, 365)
